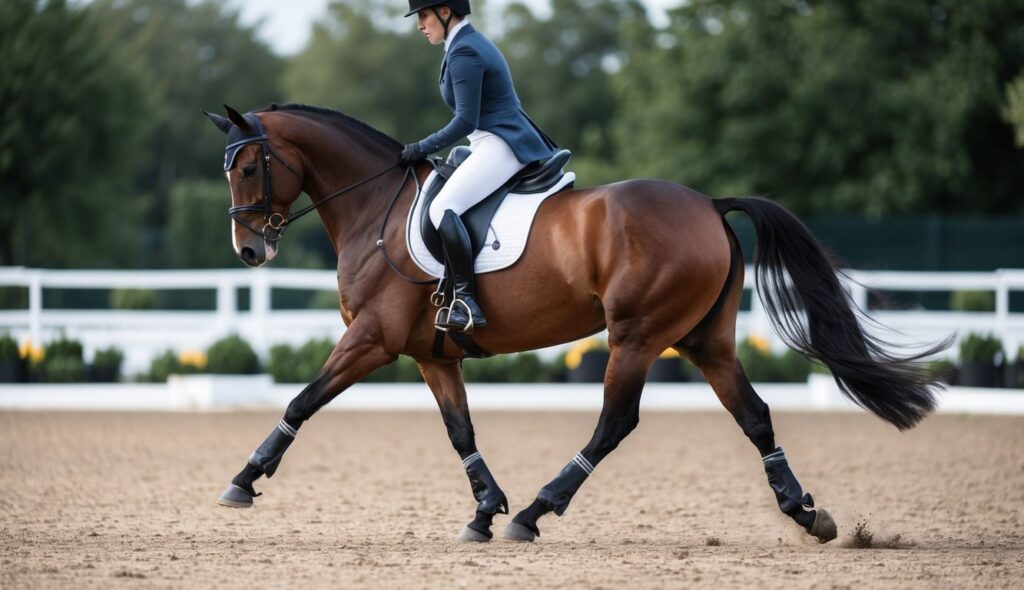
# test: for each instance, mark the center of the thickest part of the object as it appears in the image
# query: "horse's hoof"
(235, 497)
(824, 527)
(517, 532)
(469, 535)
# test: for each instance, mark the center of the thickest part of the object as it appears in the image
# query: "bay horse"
(653, 262)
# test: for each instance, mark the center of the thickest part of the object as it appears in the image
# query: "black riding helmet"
(459, 7)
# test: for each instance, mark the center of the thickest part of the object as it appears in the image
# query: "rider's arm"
(467, 72)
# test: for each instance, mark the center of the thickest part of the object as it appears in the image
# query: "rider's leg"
(490, 165)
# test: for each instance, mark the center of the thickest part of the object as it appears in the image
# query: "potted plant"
(106, 366)
(755, 354)
(232, 356)
(1013, 371)
(667, 368)
(64, 362)
(587, 361)
(978, 358)
(13, 368)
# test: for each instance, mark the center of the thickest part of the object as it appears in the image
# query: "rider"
(476, 83)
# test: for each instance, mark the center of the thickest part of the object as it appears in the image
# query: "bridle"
(274, 222)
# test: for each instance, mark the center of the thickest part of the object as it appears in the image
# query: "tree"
(71, 110)
(357, 64)
(870, 107)
(562, 66)
(1014, 110)
(192, 56)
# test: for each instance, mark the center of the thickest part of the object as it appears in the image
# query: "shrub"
(164, 365)
(281, 364)
(65, 369)
(106, 365)
(403, 370)
(133, 299)
(232, 356)
(972, 301)
(756, 358)
(108, 357)
(792, 367)
(290, 365)
(63, 362)
(943, 370)
(8, 348)
(524, 367)
(760, 365)
(980, 348)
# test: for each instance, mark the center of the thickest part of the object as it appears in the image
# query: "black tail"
(898, 389)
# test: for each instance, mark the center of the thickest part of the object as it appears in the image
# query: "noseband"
(274, 222)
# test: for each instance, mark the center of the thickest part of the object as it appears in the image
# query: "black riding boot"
(465, 314)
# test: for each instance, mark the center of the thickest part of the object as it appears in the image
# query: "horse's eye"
(248, 171)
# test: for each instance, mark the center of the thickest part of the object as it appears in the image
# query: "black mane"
(347, 120)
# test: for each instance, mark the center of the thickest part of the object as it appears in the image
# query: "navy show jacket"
(477, 85)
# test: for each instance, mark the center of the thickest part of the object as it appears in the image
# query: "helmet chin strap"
(444, 22)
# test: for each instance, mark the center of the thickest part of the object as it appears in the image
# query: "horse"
(652, 262)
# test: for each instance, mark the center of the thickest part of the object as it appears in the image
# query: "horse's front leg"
(445, 381)
(360, 351)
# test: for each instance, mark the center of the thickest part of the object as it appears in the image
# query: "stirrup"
(438, 324)
(468, 328)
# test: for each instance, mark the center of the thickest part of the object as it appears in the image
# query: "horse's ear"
(222, 123)
(239, 120)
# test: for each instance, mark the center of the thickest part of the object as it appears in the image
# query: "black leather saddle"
(535, 178)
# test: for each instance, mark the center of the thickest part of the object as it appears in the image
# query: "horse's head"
(262, 189)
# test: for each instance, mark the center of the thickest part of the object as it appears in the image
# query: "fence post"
(260, 306)
(227, 304)
(35, 307)
(1003, 311)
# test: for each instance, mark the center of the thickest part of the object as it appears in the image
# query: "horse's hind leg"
(445, 381)
(717, 360)
(624, 382)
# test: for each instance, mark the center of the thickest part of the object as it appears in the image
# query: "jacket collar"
(464, 28)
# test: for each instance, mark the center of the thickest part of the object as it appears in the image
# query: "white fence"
(144, 334)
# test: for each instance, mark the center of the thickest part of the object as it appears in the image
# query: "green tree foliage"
(1013, 112)
(563, 65)
(863, 107)
(189, 56)
(71, 111)
(358, 62)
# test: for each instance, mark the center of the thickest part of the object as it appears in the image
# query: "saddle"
(538, 177)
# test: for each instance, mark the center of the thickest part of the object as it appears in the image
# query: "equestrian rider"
(476, 84)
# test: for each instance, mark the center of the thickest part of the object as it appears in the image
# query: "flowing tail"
(898, 389)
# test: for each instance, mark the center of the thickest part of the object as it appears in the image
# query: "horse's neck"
(354, 217)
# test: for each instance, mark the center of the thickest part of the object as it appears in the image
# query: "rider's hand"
(412, 155)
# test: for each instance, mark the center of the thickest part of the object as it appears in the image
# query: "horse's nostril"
(248, 255)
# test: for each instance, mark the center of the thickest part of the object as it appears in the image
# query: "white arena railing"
(145, 334)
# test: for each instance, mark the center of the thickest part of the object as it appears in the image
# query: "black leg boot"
(465, 314)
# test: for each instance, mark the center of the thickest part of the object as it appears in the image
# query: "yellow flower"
(759, 343)
(574, 356)
(193, 358)
(669, 353)
(32, 352)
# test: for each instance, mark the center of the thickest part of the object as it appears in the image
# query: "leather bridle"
(274, 222)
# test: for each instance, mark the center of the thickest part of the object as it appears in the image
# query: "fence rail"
(143, 334)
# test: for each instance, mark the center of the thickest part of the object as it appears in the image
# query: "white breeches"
(490, 165)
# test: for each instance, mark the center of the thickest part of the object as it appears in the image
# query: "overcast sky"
(286, 24)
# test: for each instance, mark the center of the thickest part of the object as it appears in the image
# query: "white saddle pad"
(506, 238)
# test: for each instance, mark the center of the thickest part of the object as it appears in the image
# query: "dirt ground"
(374, 500)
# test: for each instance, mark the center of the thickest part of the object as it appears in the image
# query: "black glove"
(412, 155)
